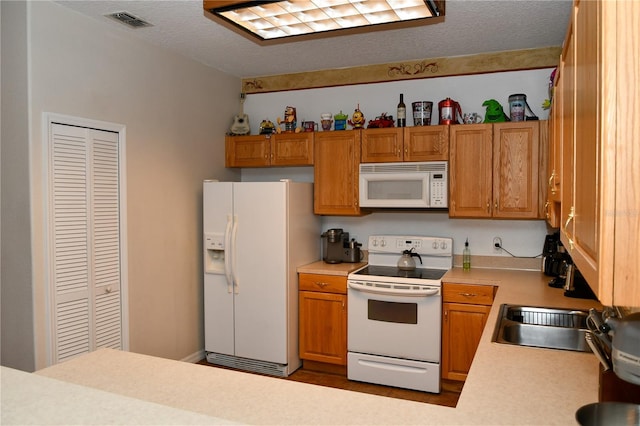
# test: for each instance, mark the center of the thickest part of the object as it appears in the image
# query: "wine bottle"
(402, 112)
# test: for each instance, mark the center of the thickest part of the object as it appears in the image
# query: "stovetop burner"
(392, 271)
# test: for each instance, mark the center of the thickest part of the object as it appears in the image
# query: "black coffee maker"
(557, 263)
(336, 247)
(554, 258)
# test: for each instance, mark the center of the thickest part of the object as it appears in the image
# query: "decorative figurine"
(289, 121)
(340, 122)
(267, 127)
(357, 119)
(326, 121)
(495, 113)
(383, 120)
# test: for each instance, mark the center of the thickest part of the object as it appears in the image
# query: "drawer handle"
(321, 284)
(468, 294)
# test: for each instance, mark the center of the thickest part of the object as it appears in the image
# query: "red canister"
(449, 111)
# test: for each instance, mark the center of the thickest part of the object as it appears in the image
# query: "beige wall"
(175, 112)
(15, 268)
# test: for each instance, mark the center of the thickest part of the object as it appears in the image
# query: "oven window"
(403, 313)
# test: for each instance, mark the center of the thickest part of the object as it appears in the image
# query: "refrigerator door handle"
(227, 253)
(234, 232)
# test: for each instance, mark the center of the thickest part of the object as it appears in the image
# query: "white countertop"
(31, 399)
(507, 385)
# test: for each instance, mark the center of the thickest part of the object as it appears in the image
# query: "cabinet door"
(586, 169)
(470, 169)
(515, 170)
(247, 151)
(555, 145)
(381, 145)
(426, 143)
(568, 125)
(554, 154)
(462, 327)
(336, 164)
(323, 327)
(292, 149)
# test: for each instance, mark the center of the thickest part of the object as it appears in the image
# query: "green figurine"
(495, 113)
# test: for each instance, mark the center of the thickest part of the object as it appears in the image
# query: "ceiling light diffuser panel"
(281, 20)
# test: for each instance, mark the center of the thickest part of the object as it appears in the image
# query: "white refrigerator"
(255, 236)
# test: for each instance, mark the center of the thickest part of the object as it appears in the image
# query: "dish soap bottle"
(466, 256)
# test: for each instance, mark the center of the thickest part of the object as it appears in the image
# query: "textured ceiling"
(470, 26)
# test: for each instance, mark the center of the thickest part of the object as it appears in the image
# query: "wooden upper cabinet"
(470, 170)
(292, 149)
(494, 170)
(284, 149)
(395, 144)
(553, 201)
(247, 151)
(515, 170)
(382, 145)
(336, 173)
(600, 175)
(426, 143)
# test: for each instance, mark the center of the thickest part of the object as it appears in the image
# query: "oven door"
(393, 320)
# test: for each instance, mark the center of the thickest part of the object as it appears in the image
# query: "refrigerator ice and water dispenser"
(214, 253)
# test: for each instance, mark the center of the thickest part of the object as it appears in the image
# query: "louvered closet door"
(85, 224)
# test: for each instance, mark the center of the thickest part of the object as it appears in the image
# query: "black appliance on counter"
(336, 247)
(557, 263)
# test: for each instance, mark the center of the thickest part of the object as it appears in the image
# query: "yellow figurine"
(357, 119)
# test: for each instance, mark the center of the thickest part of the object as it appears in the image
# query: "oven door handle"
(392, 290)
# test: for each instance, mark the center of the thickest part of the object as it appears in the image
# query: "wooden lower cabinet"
(465, 310)
(323, 318)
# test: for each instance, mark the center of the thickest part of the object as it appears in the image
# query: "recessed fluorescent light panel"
(284, 19)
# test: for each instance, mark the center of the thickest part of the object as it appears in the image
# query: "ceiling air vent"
(129, 19)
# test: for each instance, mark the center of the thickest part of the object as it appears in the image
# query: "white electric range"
(394, 317)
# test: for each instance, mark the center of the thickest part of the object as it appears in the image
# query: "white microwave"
(404, 185)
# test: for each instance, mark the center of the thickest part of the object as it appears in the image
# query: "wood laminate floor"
(448, 396)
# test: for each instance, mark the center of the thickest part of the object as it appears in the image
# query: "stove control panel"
(419, 244)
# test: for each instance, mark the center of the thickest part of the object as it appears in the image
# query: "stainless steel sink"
(542, 327)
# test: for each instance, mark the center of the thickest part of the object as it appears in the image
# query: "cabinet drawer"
(468, 293)
(324, 283)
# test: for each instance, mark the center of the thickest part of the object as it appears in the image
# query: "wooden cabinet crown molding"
(514, 60)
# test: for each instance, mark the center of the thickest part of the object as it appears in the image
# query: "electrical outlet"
(497, 243)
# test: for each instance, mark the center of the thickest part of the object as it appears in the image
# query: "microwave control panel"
(438, 190)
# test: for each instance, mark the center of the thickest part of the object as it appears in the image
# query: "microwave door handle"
(391, 291)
